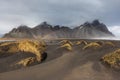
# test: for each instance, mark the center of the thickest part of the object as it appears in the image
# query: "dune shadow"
(44, 56)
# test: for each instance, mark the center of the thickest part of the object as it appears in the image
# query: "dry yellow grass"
(100, 42)
(93, 45)
(26, 62)
(66, 44)
(81, 42)
(6, 43)
(113, 59)
(104, 43)
(109, 43)
(66, 41)
(34, 47)
(29, 46)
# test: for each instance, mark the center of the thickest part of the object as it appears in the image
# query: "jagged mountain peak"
(95, 22)
(43, 25)
(56, 27)
(86, 24)
(93, 29)
(23, 26)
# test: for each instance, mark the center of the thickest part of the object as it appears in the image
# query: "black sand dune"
(61, 64)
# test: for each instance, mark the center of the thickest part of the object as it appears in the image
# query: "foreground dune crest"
(34, 47)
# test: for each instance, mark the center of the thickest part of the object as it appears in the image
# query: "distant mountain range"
(87, 30)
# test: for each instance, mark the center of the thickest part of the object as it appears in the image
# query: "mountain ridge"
(47, 31)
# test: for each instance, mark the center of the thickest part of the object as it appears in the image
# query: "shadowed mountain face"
(47, 31)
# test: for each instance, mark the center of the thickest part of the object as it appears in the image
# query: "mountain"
(47, 31)
(20, 32)
(94, 30)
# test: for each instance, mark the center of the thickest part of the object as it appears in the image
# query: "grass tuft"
(109, 44)
(66, 44)
(26, 62)
(112, 59)
(93, 45)
(81, 42)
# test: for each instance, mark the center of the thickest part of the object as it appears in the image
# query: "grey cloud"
(63, 12)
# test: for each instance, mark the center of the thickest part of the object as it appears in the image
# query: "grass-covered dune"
(34, 47)
(112, 59)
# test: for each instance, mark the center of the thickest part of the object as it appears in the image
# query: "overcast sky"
(64, 12)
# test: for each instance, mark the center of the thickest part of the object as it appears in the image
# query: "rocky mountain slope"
(47, 31)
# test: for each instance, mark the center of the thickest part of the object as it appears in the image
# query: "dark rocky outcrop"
(47, 31)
